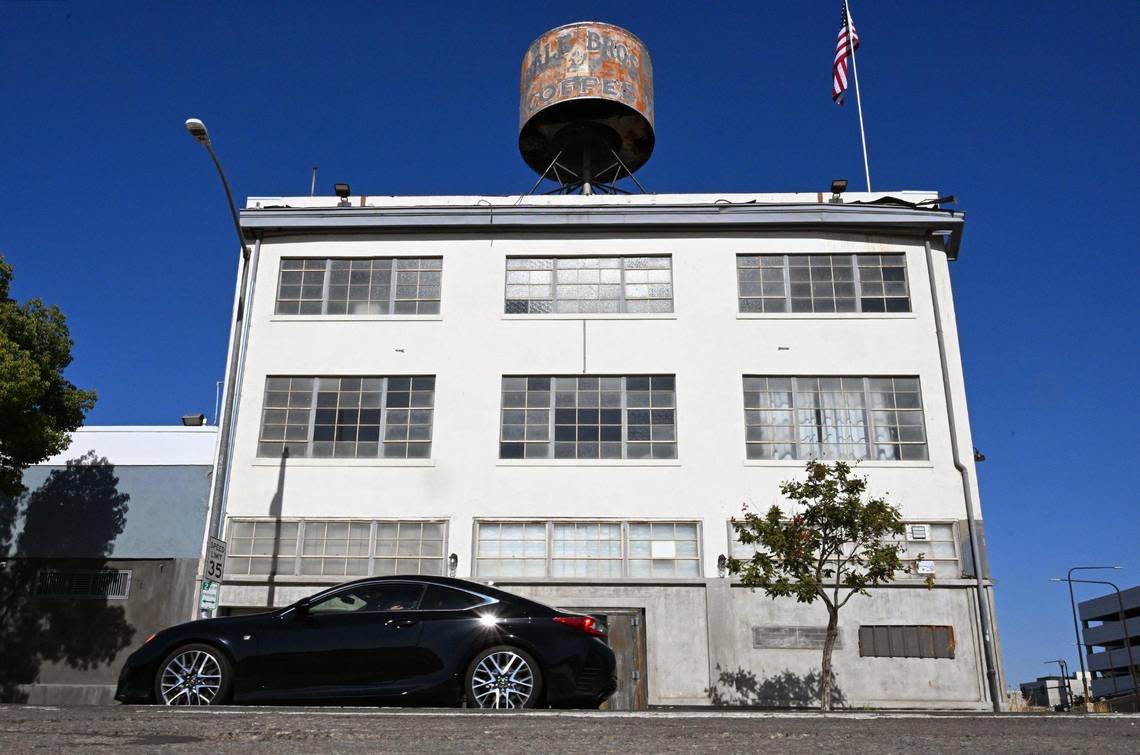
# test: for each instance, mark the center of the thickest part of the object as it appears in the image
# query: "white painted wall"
(142, 445)
(471, 344)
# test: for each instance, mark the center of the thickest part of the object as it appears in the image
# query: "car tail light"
(587, 624)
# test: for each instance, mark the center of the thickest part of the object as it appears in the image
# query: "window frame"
(297, 558)
(548, 559)
(856, 282)
(622, 302)
(551, 442)
(869, 426)
(326, 284)
(735, 546)
(314, 408)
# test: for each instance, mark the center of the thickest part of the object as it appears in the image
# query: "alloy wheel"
(503, 679)
(191, 678)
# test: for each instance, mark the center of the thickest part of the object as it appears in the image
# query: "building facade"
(1108, 638)
(99, 552)
(572, 396)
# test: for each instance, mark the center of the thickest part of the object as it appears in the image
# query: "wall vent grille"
(102, 584)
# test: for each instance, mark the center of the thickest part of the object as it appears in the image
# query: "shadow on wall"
(741, 688)
(72, 519)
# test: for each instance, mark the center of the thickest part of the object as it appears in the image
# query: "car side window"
(439, 598)
(389, 596)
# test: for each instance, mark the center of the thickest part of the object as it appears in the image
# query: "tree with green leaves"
(831, 546)
(38, 406)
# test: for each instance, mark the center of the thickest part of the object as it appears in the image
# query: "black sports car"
(381, 640)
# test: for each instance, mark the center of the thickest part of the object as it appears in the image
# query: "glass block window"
(834, 418)
(348, 417)
(587, 549)
(409, 548)
(266, 546)
(663, 549)
(335, 548)
(511, 549)
(573, 285)
(822, 283)
(935, 542)
(359, 286)
(589, 417)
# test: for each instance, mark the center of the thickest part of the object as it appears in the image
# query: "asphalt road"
(40, 729)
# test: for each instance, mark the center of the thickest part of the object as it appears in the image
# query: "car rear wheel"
(193, 675)
(503, 677)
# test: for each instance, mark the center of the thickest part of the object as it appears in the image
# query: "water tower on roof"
(586, 107)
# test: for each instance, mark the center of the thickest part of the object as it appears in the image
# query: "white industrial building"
(573, 395)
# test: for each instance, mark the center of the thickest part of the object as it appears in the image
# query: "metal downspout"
(964, 472)
(231, 394)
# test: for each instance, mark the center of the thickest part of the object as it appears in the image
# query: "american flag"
(842, 53)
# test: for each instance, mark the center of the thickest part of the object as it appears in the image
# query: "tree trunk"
(825, 666)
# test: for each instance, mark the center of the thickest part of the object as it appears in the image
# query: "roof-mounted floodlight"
(342, 191)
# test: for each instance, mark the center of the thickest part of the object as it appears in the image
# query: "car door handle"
(400, 623)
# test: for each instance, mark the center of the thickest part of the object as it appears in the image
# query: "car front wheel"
(503, 677)
(193, 675)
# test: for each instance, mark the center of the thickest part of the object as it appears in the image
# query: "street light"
(1123, 627)
(198, 130)
(1064, 675)
(1076, 629)
(248, 267)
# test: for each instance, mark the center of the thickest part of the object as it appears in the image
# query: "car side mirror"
(303, 606)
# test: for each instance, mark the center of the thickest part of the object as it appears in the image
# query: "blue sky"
(1025, 110)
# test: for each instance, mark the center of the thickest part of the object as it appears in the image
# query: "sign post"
(212, 576)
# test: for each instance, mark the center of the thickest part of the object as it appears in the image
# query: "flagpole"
(858, 99)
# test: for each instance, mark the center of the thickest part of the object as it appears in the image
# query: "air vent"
(101, 584)
(919, 532)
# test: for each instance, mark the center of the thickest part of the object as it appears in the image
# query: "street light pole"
(248, 265)
(1076, 628)
(1065, 676)
(1124, 629)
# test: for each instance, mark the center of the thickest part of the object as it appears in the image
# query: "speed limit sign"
(215, 559)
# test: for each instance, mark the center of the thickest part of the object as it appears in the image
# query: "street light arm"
(229, 199)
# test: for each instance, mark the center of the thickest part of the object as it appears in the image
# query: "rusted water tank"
(586, 89)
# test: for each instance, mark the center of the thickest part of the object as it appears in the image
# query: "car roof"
(462, 584)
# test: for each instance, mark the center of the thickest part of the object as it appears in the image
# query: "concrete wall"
(94, 637)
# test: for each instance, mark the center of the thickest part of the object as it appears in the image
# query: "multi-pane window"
(587, 549)
(511, 549)
(589, 417)
(348, 417)
(834, 418)
(822, 283)
(936, 543)
(359, 286)
(664, 549)
(572, 285)
(339, 548)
